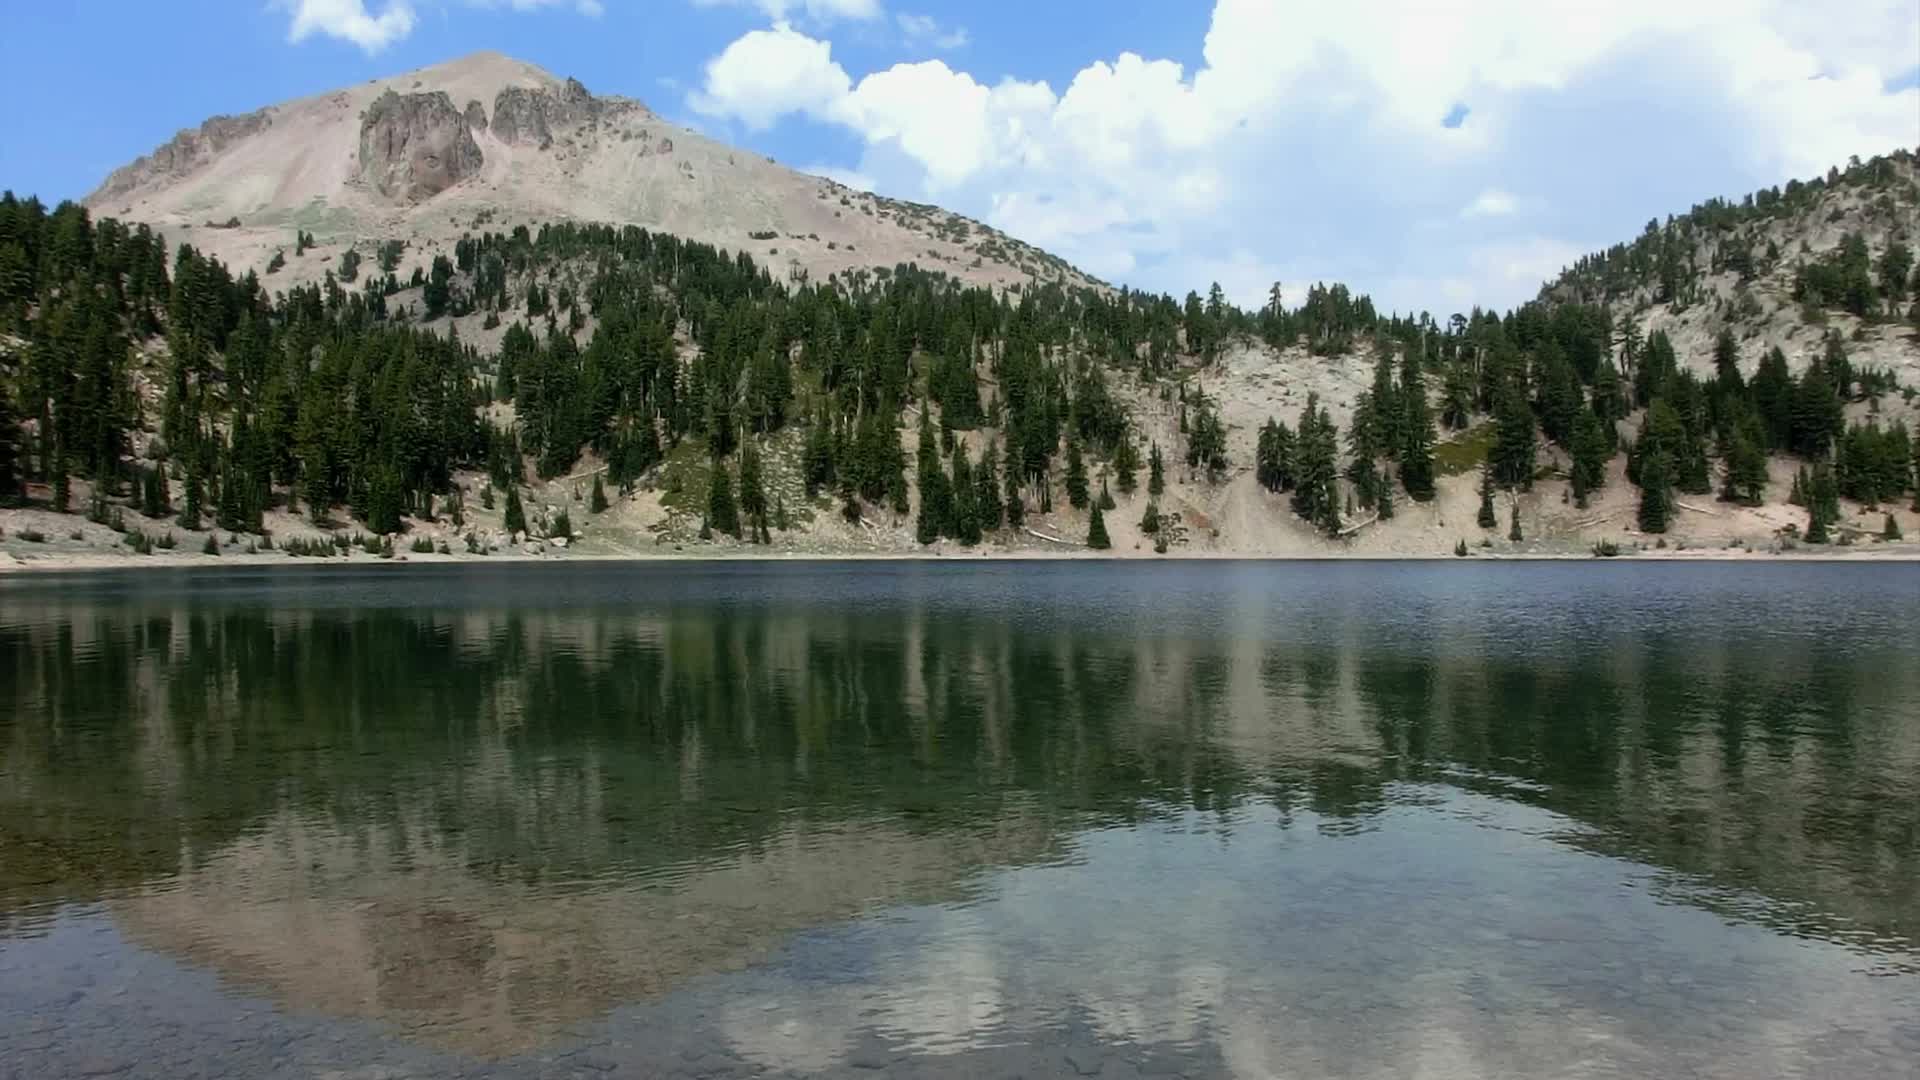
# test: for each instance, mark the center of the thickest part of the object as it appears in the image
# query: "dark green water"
(986, 820)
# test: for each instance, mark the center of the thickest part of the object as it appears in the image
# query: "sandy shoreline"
(81, 563)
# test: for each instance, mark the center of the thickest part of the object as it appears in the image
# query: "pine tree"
(1513, 530)
(1105, 501)
(190, 511)
(599, 501)
(1316, 493)
(515, 516)
(1385, 502)
(723, 512)
(1746, 469)
(1656, 492)
(1823, 499)
(1417, 439)
(1513, 450)
(935, 508)
(986, 491)
(1097, 531)
(1891, 530)
(1150, 521)
(12, 490)
(753, 493)
(1126, 464)
(1076, 476)
(966, 526)
(1590, 454)
(1156, 473)
(1487, 520)
(1798, 495)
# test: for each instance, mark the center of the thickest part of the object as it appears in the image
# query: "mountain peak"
(489, 141)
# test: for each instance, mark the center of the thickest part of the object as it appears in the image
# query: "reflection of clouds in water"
(1394, 953)
(946, 994)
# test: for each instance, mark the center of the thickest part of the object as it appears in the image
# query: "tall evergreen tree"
(598, 503)
(1097, 531)
(1590, 455)
(986, 490)
(933, 521)
(723, 511)
(1076, 476)
(1316, 492)
(1126, 464)
(1773, 398)
(1417, 439)
(966, 525)
(1656, 492)
(1513, 530)
(1746, 480)
(1486, 520)
(1156, 473)
(12, 490)
(1513, 448)
(515, 519)
(753, 493)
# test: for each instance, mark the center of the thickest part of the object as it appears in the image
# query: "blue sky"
(1436, 153)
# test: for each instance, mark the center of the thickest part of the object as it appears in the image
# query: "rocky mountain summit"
(415, 146)
(488, 142)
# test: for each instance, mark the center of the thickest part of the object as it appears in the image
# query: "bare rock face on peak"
(530, 116)
(487, 141)
(414, 146)
(185, 152)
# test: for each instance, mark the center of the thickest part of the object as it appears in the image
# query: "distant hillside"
(1781, 267)
(1741, 378)
(490, 142)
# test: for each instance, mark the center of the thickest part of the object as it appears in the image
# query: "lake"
(1001, 819)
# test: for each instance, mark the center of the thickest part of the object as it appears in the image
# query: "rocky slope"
(487, 142)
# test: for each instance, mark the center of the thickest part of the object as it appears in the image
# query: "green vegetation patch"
(1464, 454)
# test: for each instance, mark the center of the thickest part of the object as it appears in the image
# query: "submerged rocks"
(414, 146)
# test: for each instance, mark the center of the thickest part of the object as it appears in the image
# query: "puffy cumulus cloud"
(766, 74)
(349, 20)
(817, 10)
(1310, 139)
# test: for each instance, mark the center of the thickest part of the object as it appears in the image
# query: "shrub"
(1605, 549)
(1460, 550)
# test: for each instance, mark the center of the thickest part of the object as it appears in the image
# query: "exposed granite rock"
(185, 152)
(532, 116)
(476, 116)
(414, 146)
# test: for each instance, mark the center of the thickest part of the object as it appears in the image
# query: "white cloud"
(349, 20)
(766, 74)
(926, 30)
(1490, 203)
(781, 11)
(1311, 136)
(852, 178)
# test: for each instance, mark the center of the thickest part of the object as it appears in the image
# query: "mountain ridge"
(429, 155)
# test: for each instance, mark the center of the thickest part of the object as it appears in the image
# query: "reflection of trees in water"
(549, 744)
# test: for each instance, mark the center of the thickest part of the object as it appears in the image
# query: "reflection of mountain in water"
(499, 820)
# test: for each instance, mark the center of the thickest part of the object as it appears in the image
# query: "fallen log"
(1051, 539)
(1357, 526)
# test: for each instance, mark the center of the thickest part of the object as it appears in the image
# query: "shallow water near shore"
(993, 819)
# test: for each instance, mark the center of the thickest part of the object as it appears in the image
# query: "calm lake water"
(1351, 820)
